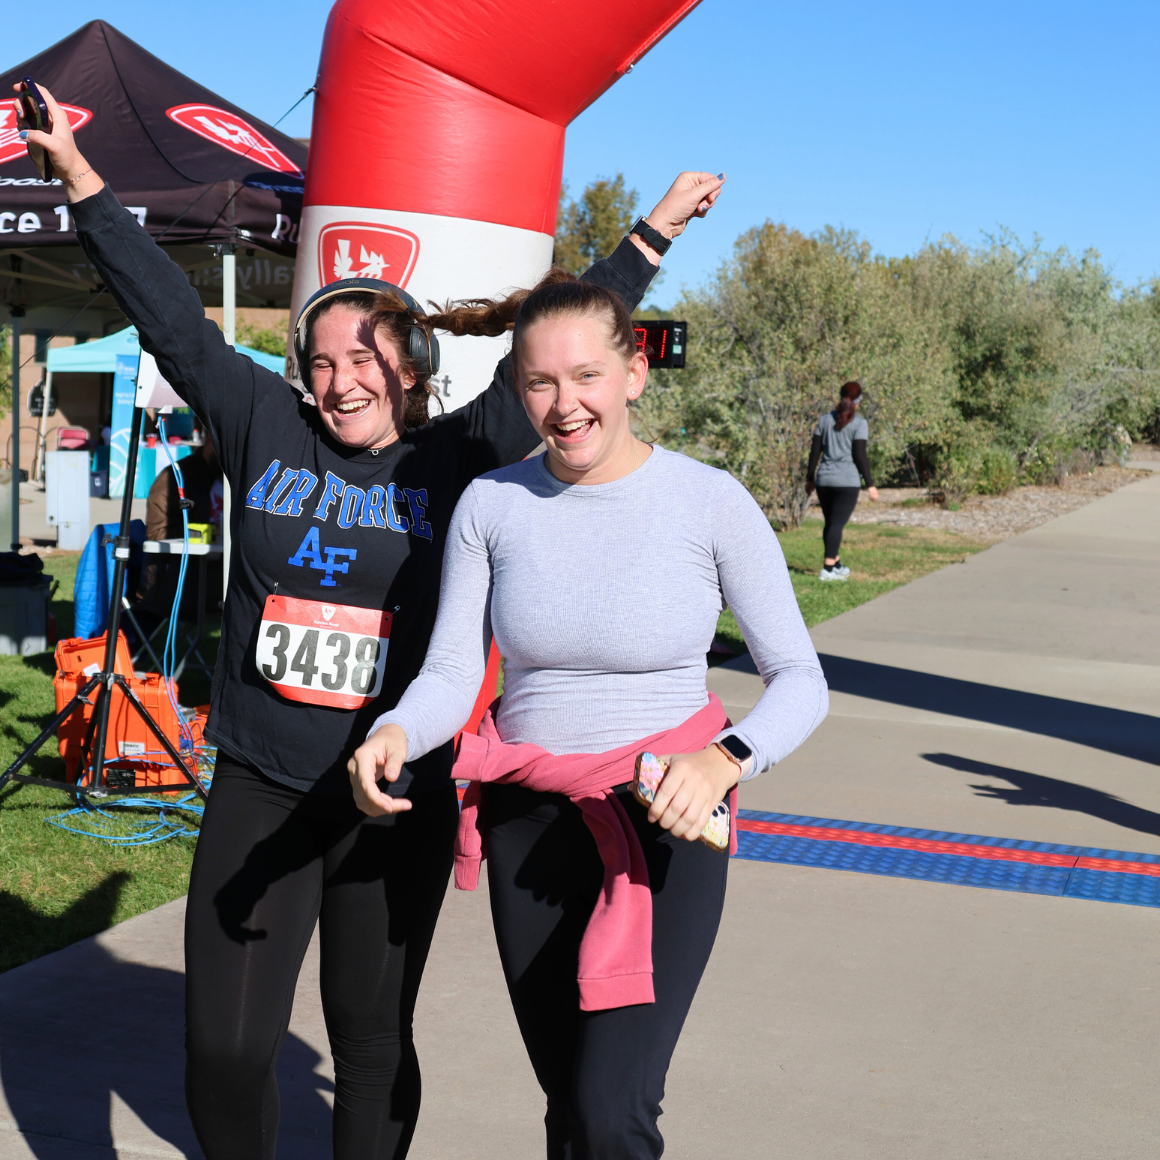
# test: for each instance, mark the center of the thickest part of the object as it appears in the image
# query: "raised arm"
(496, 430)
(439, 700)
(221, 385)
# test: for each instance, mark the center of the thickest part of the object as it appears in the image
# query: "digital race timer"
(664, 339)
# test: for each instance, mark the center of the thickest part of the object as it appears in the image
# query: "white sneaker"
(843, 570)
(835, 574)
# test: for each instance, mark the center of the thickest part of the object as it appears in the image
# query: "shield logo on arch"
(362, 250)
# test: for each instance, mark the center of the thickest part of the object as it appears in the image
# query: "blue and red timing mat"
(960, 859)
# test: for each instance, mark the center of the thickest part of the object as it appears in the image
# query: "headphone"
(422, 347)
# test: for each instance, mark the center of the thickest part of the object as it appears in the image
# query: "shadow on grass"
(29, 934)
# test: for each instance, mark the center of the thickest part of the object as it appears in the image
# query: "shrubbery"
(982, 366)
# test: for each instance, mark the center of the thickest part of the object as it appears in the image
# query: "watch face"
(737, 747)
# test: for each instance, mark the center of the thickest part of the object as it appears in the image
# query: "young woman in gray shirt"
(837, 459)
(601, 567)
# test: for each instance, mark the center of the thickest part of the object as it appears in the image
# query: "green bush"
(998, 473)
(980, 364)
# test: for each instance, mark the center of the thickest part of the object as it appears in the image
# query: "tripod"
(103, 683)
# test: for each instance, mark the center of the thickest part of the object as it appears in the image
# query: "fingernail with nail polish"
(720, 176)
(23, 134)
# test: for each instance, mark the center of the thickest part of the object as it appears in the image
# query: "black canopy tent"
(206, 179)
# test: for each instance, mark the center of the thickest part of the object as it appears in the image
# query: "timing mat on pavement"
(959, 859)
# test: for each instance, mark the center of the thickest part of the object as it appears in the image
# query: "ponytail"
(848, 398)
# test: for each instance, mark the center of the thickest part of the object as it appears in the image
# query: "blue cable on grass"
(169, 653)
(105, 825)
(144, 832)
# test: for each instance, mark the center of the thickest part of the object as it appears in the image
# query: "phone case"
(715, 835)
(650, 772)
(36, 114)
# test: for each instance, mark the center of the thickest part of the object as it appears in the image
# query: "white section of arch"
(456, 258)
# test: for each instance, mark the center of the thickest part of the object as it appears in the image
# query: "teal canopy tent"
(118, 355)
(100, 356)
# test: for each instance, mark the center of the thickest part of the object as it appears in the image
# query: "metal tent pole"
(38, 458)
(16, 313)
(229, 329)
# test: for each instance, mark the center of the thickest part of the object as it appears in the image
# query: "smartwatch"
(738, 752)
(651, 237)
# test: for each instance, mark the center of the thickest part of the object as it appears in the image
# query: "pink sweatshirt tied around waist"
(616, 950)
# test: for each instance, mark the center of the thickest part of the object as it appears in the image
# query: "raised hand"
(691, 195)
(74, 171)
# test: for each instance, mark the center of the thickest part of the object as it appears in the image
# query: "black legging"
(602, 1071)
(837, 505)
(269, 861)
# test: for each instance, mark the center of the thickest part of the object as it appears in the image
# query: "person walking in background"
(837, 459)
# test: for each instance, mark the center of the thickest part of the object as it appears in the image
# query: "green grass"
(56, 887)
(880, 558)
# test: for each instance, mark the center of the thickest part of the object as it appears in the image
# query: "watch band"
(741, 771)
(651, 237)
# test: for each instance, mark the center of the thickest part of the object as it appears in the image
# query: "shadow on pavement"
(1135, 735)
(1033, 789)
(80, 1026)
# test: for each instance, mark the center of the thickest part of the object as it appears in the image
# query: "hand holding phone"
(650, 772)
(35, 114)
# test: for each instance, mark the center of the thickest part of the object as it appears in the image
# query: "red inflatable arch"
(438, 144)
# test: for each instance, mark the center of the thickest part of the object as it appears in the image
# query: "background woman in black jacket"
(340, 510)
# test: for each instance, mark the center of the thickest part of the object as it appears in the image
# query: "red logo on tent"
(233, 133)
(360, 250)
(12, 147)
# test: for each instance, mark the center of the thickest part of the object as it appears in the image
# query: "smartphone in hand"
(36, 116)
(650, 772)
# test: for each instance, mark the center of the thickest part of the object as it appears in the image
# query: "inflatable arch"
(438, 143)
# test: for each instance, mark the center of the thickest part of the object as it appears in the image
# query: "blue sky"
(903, 121)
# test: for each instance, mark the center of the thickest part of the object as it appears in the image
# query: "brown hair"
(557, 293)
(848, 398)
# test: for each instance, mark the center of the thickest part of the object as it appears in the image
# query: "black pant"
(269, 861)
(602, 1071)
(837, 505)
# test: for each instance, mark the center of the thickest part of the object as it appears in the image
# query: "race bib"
(323, 654)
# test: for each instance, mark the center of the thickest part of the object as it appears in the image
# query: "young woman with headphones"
(342, 502)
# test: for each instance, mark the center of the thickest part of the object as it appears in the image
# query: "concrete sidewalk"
(842, 1015)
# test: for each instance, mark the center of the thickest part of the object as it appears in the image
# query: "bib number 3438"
(323, 654)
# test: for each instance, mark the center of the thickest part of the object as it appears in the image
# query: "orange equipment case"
(130, 746)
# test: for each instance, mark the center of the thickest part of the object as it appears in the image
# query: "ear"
(637, 376)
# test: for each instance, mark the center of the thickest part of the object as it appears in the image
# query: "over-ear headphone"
(422, 347)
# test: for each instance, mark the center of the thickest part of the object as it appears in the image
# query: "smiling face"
(576, 387)
(356, 378)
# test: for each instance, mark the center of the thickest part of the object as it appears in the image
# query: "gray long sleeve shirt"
(604, 600)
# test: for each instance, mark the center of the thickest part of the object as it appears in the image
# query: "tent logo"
(233, 133)
(12, 147)
(359, 250)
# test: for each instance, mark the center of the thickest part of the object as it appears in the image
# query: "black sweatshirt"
(347, 542)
